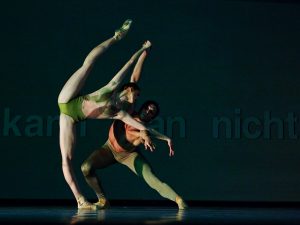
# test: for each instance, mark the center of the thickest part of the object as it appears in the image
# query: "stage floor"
(150, 215)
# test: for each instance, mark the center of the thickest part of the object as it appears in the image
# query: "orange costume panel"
(119, 136)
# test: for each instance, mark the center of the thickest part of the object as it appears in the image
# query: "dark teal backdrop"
(232, 63)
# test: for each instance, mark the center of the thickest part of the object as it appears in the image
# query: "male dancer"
(121, 147)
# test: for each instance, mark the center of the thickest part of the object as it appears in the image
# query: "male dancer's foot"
(102, 203)
(121, 32)
(85, 205)
(180, 202)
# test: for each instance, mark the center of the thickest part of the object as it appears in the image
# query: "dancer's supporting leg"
(77, 80)
(99, 159)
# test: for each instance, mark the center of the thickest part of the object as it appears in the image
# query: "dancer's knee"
(86, 168)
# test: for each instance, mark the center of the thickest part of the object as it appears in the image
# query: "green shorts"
(73, 108)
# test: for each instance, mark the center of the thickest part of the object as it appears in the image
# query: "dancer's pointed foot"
(85, 205)
(102, 203)
(147, 45)
(181, 203)
(121, 32)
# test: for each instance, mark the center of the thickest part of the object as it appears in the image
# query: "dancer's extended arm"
(127, 118)
(136, 74)
(163, 137)
(117, 79)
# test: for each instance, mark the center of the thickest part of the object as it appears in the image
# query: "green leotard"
(73, 108)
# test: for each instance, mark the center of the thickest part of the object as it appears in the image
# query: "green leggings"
(134, 161)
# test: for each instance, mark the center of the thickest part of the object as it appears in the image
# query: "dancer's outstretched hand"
(170, 144)
(149, 144)
(147, 140)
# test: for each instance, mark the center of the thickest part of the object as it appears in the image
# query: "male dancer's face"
(148, 113)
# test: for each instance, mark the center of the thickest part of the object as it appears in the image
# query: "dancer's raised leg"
(77, 80)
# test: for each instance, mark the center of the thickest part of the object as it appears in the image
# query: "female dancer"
(106, 103)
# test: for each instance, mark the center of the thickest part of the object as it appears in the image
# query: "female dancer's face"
(130, 95)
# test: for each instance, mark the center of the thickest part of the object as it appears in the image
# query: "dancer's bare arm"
(144, 134)
(136, 74)
(117, 79)
(163, 137)
(127, 118)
